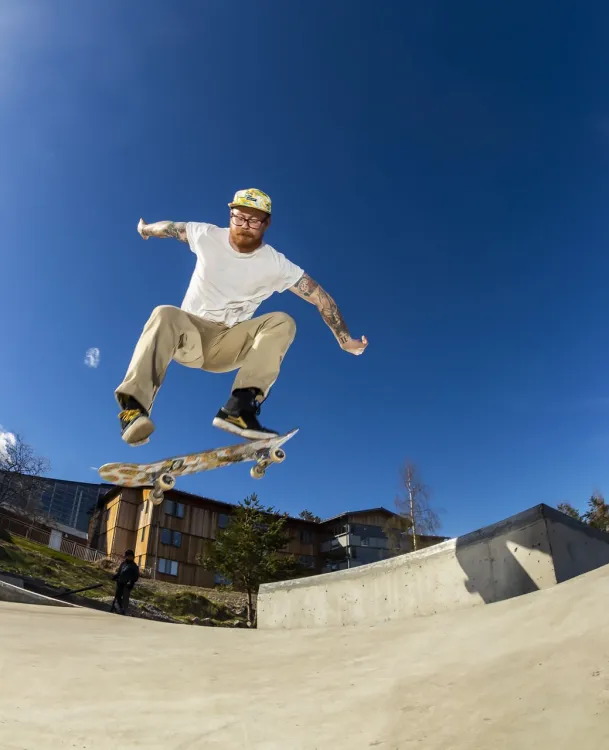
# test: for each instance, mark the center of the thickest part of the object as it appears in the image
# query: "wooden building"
(171, 537)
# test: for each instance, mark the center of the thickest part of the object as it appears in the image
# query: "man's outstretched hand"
(140, 227)
(355, 346)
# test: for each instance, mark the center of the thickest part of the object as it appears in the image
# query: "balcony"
(339, 543)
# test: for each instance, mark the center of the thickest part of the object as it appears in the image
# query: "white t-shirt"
(227, 286)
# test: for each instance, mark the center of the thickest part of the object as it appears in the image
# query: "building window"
(220, 580)
(222, 521)
(143, 533)
(307, 561)
(365, 542)
(174, 538)
(168, 567)
(306, 536)
(172, 508)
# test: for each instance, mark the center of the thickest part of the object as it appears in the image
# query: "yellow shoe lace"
(128, 415)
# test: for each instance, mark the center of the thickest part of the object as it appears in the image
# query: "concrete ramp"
(13, 592)
(528, 673)
(530, 551)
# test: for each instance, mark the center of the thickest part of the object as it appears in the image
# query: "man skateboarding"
(215, 328)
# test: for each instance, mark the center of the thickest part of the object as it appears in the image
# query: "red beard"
(244, 240)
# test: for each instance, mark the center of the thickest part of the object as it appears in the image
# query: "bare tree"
(21, 481)
(416, 516)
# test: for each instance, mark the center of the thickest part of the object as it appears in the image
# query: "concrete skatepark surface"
(531, 671)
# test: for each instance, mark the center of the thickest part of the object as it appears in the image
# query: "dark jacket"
(128, 573)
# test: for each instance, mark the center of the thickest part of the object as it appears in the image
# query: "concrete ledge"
(532, 550)
(10, 593)
(13, 580)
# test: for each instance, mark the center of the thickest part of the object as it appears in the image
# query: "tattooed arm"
(312, 292)
(162, 229)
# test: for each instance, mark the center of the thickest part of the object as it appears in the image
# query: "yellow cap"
(252, 198)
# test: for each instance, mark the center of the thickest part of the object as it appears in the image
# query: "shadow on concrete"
(484, 555)
(553, 545)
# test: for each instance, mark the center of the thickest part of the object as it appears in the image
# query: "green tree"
(306, 515)
(569, 510)
(247, 551)
(597, 514)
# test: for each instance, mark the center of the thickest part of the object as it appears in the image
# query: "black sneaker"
(240, 413)
(136, 425)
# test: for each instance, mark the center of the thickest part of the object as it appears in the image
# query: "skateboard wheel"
(156, 496)
(277, 455)
(165, 482)
(256, 472)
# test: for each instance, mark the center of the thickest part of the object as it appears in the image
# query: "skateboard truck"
(164, 482)
(275, 456)
(161, 485)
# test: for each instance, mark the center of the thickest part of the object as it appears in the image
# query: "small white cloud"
(92, 357)
(94, 468)
(6, 439)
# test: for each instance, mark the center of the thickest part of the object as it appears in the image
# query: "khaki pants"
(255, 347)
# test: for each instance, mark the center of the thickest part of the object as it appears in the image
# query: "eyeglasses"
(239, 220)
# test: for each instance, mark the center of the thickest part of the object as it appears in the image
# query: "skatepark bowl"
(492, 641)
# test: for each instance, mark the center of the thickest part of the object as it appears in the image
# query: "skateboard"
(161, 475)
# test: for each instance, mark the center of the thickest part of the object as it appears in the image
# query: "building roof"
(187, 496)
(114, 489)
(360, 512)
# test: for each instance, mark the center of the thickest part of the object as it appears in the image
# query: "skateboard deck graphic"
(161, 475)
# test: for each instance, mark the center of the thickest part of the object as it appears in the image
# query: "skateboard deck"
(161, 475)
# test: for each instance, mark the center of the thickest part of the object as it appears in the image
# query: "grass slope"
(44, 567)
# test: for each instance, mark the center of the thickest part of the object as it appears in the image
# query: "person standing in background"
(125, 577)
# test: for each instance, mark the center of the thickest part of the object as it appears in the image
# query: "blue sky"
(439, 167)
